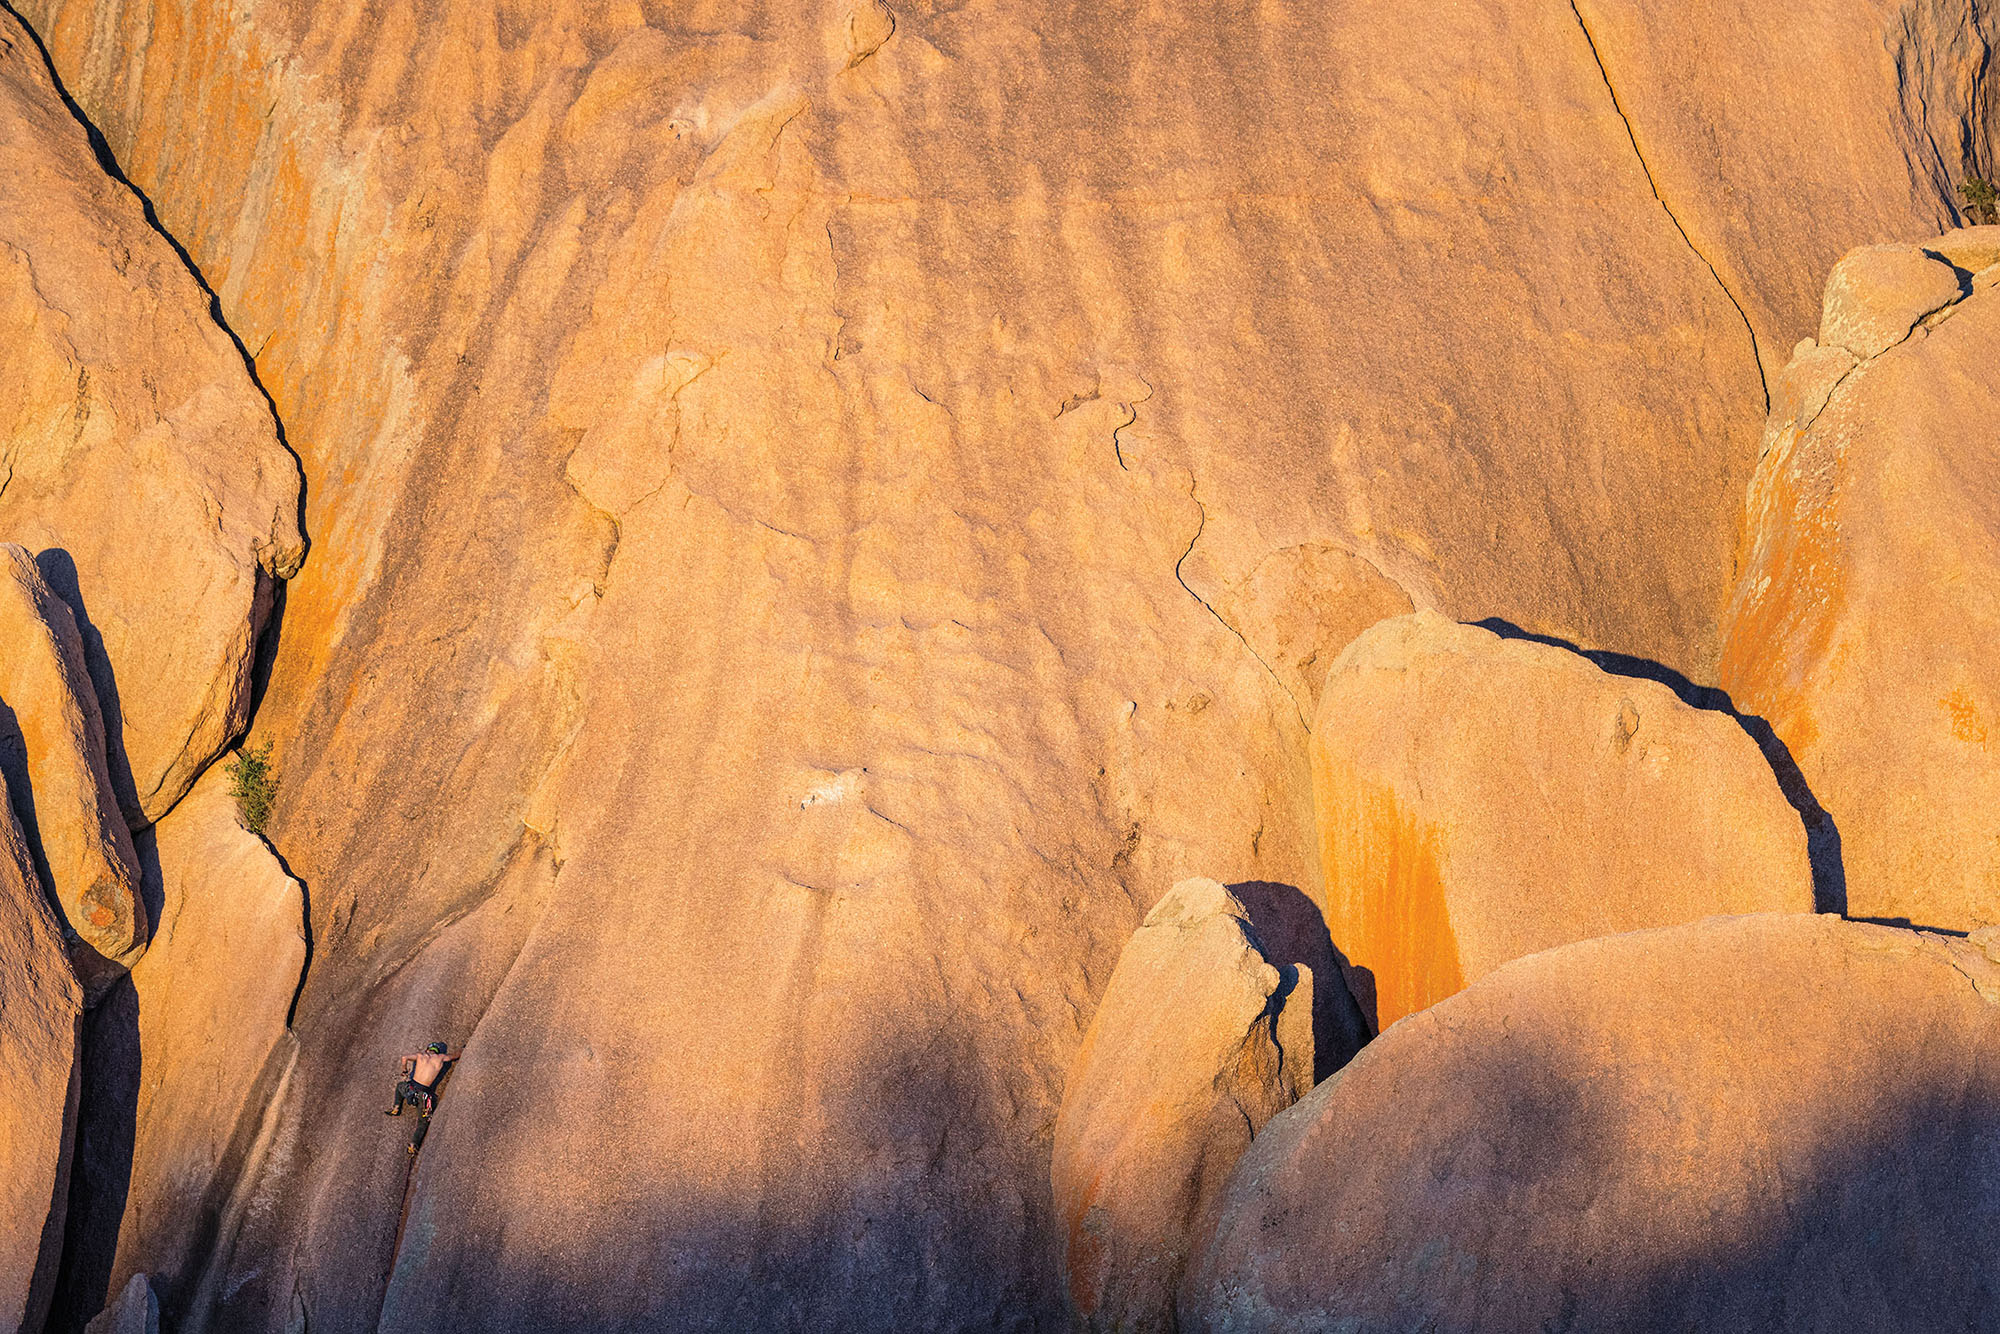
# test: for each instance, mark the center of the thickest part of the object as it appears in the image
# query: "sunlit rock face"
(1780, 1122)
(1204, 1034)
(785, 488)
(1863, 623)
(142, 466)
(1480, 798)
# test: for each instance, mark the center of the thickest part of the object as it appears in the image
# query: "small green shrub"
(253, 785)
(1982, 201)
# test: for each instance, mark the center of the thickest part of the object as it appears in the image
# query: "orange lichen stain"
(1085, 1256)
(1789, 601)
(1964, 713)
(1387, 905)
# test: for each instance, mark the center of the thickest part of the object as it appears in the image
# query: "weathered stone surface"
(1863, 623)
(1973, 249)
(1876, 295)
(141, 463)
(136, 1311)
(214, 992)
(1778, 1122)
(1482, 798)
(1301, 606)
(1199, 1041)
(52, 751)
(777, 475)
(40, 1005)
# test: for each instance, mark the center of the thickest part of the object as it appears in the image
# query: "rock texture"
(140, 463)
(1482, 798)
(1199, 1041)
(52, 751)
(1770, 1122)
(778, 479)
(40, 1006)
(213, 995)
(136, 1311)
(1862, 624)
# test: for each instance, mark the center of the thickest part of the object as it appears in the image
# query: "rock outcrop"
(782, 481)
(135, 1311)
(1772, 1122)
(1480, 798)
(1863, 624)
(214, 992)
(52, 752)
(141, 463)
(1199, 1041)
(40, 1006)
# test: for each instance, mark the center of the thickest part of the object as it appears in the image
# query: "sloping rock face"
(40, 1007)
(1773, 1122)
(1482, 798)
(141, 463)
(1199, 1041)
(778, 477)
(1863, 623)
(136, 1311)
(52, 750)
(213, 994)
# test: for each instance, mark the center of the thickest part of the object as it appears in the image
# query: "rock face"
(781, 479)
(40, 1006)
(1482, 798)
(52, 751)
(1772, 1122)
(141, 463)
(1198, 1042)
(136, 1311)
(213, 995)
(1862, 625)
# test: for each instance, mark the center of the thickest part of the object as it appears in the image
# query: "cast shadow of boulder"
(1822, 835)
(1291, 930)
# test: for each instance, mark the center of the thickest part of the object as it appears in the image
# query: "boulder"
(1876, 295)
(52, 751)
(1479, 798)
(1776, 1122)
(136, 1311)
(777, 498)
(144, 465)
(1198, 1042)
(1863, 622)
(41, 1007)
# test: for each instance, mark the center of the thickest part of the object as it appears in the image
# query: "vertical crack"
(1652, 183)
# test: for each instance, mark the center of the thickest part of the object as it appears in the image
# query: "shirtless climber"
(421, 1072)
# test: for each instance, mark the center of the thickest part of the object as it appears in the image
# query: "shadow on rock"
(1291, 929)
(1822, 835)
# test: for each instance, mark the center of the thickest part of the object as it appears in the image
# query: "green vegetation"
(253, 785)
(1982, 201)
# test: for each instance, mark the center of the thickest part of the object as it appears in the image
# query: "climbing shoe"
(393, 1111)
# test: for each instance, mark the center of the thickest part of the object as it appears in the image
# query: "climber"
(421, 1072)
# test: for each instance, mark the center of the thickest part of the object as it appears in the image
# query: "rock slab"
(143, 465)
(1862, 626)
(1198, 1042)
(41, 1006)
(52, 750)
(1481, 798)
(1775, 1122)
